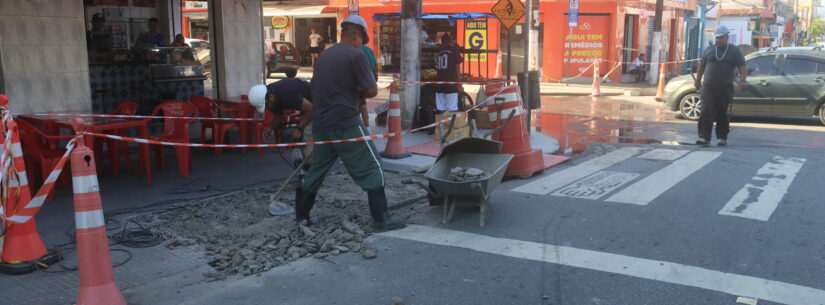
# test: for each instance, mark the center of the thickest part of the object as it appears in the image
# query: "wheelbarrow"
(477, 153)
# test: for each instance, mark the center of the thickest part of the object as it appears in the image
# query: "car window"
(821, 69)
(762, 65)
(799, 66)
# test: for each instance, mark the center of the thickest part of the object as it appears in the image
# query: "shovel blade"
(277, 208)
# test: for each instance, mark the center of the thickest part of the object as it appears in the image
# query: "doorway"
(630, 45)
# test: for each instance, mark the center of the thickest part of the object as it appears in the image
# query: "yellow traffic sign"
(509, 12)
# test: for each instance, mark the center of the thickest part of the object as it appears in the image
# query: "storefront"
(468, 23)
(294, 24)
(125, 66)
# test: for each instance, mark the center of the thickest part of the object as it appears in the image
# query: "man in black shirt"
(446, 64)
(99, 41)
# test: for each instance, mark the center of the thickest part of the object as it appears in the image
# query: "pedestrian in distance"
(315, 41)
(447, 62)
(342, 77)
(714, 80)
(639, 68)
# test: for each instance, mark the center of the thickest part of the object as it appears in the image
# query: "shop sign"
(588, 42)
(475, 38)
(573, 14)
(280, 22)
(509, 12)
(196, 5)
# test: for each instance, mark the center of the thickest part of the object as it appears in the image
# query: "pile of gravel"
(240, 237)
(461, 174)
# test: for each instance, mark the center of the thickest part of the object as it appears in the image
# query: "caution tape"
(661, 62)
(564, 80)
(127, 116)
(33, 206)
(283, 145)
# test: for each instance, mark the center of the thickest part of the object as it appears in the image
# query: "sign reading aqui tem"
(475, 39)
(509, 12)
(588, 41)
(573, 14)
(280, 22)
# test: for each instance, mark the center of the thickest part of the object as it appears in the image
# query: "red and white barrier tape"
(661, 62)
(125, 116)
(33, 206)
(281, 145)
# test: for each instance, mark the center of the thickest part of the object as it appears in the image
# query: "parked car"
(781, 82)
(282, 57)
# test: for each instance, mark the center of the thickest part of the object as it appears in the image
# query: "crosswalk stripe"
(564, 177)
(761, 196)
(649, 269)
(654, 185)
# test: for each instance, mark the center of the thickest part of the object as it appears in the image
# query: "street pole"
(655, 58)
(509, 52)
(410, 59)
(352, 7)
(530, 51)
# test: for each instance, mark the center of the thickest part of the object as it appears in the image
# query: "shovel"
(277, 208)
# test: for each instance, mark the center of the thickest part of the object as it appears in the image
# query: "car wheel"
(691, 106)
(291, 73)
(822, 113)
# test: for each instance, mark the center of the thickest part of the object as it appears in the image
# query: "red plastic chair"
(208, 108)
(116, 147)
(260, 126)
(176, 130)
(37, 154)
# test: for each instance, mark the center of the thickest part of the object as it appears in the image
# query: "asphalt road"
(634, 218)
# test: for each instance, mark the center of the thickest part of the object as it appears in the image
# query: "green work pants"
(361, 159)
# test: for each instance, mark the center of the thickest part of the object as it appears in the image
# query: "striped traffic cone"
(94, 262)
(23, 245)
(660, 91)
(597, 80)
(395, 145)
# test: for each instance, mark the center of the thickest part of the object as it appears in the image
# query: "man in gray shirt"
(342, 77)
(718, 67)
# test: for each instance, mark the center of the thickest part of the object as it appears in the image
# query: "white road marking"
(654, 185)
(597, 185)
(760, 197)
(649, 269)
(664, 154)
(566, 176)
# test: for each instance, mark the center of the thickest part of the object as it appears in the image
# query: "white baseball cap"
(357, 20)
(257, 97)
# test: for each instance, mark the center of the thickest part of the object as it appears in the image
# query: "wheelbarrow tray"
(494, 164)
(477, 190)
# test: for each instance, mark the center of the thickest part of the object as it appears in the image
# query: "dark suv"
(282, 57)
(781, 82)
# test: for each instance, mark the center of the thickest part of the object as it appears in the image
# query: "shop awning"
(465, 15)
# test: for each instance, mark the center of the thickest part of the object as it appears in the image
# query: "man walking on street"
(342, 77)
(718, 67)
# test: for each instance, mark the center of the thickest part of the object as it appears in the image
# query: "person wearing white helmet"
(287, 94)
(718, 68)
(342, 77)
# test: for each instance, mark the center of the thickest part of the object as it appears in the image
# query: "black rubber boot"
(382, 221)
(303, 204)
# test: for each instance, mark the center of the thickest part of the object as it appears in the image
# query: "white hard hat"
(257, 97)
(357, 20)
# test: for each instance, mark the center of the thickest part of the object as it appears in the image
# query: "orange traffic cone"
(395, 145)
(660, 92)
(94, 262)
(597, 80)
(516, 137)
(23, 247)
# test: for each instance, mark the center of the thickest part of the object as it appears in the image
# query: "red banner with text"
(589, 40)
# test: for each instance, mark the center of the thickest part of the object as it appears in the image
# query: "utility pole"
(530, 52)
(410, 59)
(655, 58)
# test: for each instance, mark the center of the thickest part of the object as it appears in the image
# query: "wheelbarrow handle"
(449, 130)
(510, 117)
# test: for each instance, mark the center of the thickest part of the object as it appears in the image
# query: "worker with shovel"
(341, 78)
(287, 94)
